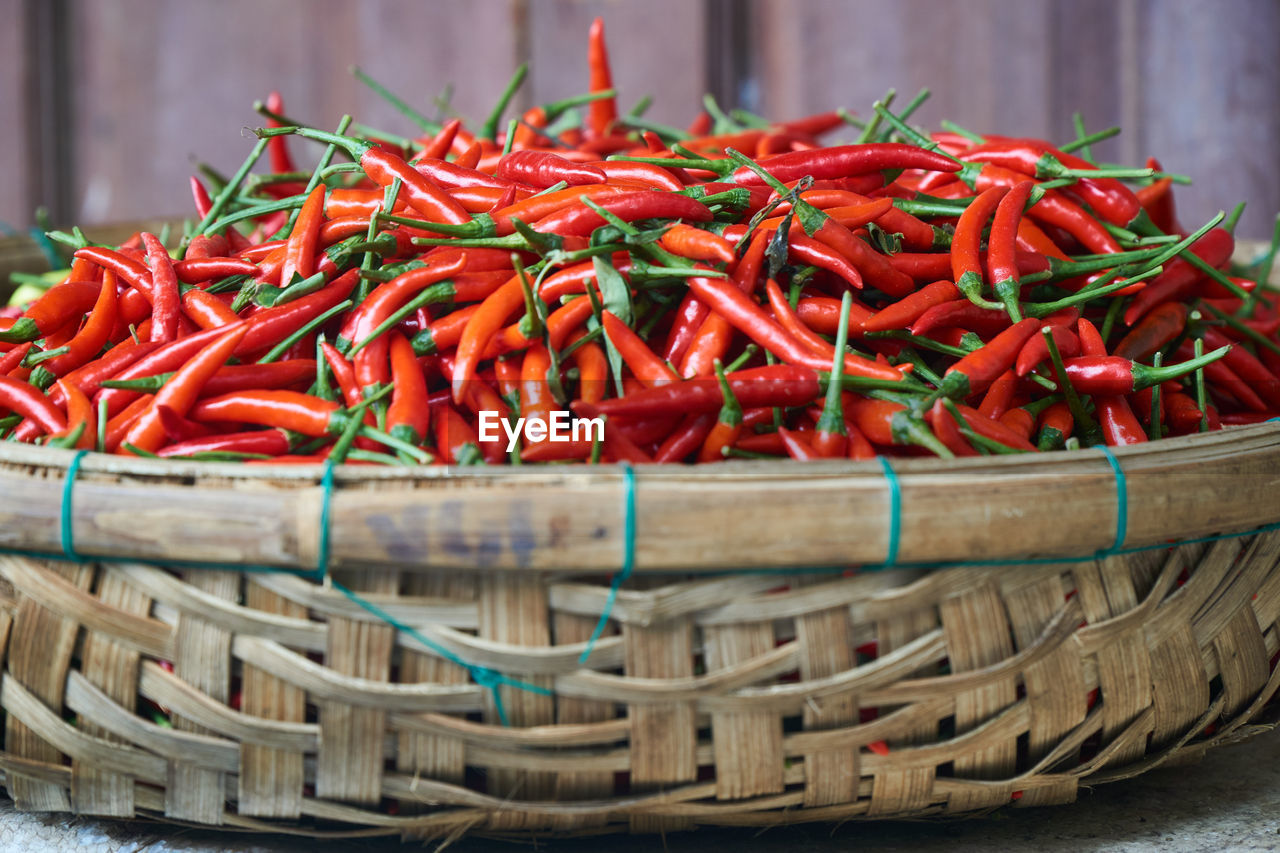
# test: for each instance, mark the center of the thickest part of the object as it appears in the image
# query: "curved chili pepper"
(1179, 277)
(1054, 209)
(384, 167)
(774, 385)
(482, 325)
(1160, 327)
(948, 430)
(809, 251)
(966, 245)
(1110, 374)
(728, 425)
(1222, 378)
(163, 359)
(961, 313)
(206, 310)
(386, 298)
(908, 309)
(1056, 425)
(748, 317)
(59, 305)
(543, 169)
(977, 370)
(999, 396)
(846, 160)
(1002, 252)
(888, 423)
(647, 174)
(688, 436)
(266, 442)
(272, 325)
(796, 446)
(80, 415)
(23, 399)
(179, 394)
(1245, 365)
(290, 410)
(95, 332)
(603, 112)
(580, 220)
(709, 339)
(697, 244)
(644, 364)
(408, 415)
(300, 250)
(789, 320)
(1036, 349)
(165, 305)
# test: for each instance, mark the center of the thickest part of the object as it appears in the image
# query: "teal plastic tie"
(483, 676)
(66, 519)
(895, 513)
(1122, 505)
(326, 504)
(628, 556)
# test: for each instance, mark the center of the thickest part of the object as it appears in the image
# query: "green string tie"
(628, 555)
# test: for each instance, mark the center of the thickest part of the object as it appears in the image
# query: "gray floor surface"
(1229, 802)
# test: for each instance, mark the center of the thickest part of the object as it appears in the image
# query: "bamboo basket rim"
(830, 514)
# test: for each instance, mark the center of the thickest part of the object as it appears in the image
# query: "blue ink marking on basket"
(1122, 504)
(628, 556)
(895, 513)
(66, 518)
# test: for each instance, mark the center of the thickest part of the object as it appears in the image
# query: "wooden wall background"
(110, 101)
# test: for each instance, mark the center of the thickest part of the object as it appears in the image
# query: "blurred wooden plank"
(162, 82)
(15, 200)
(1208, 104)
(1096, 86)
(983, 61)
(656, 48)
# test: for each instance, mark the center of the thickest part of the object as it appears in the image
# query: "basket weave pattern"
(750, 700)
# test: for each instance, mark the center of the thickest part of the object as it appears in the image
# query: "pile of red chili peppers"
(736, 289)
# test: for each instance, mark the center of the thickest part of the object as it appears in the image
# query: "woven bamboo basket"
(401, 652)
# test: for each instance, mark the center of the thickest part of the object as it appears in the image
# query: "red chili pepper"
(408, 415)
(290, 410)
(543, 169)
(271, 325)
(61, 304)
(266, 442)
(748, 317)
(966, 245)
(207, 310)
(95, 332)
(1109, 374)
(179, 394)
(1244, 364)
(796, 446)
(1179, 277)
(728, 425)
(1036, 349)
(999, 397)
(905, 311)
(697, 244)
(602, 112)
(709, 339)
(23, 399)
(809, 251)
(947, 429)
(973, 373)
(1161, 326)
(687, 437)
(165, 305)
(774, 385)
(580, 220)
(1002, 254)
(1054, 209)
(1221, 378)
(164, 359)
(80, 415)
(961, 313)
(846, 160)
(300, 251)
(647, 366)
(383, 168)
